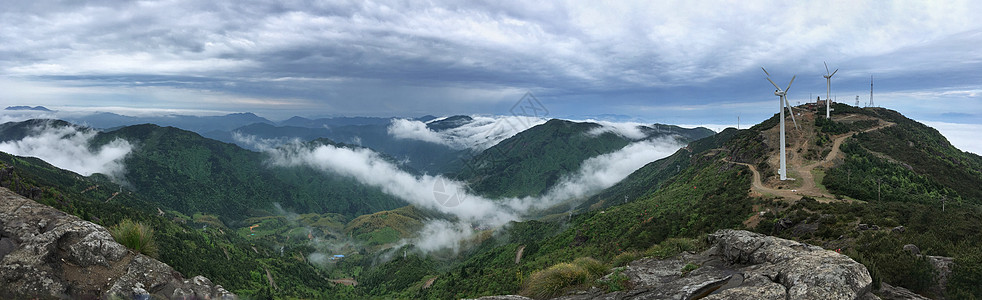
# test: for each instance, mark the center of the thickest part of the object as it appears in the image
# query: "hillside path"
(808, 186)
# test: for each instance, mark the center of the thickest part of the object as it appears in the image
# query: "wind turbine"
(783, 172)
(828, 89)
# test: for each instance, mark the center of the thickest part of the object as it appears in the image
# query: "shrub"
(689, 267)
(136, 236)
(616, 282)
(624, 258)
(555, 280)
(594, 267)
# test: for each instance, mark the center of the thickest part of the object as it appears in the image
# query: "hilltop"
(533, 160)
(870, 184)
(900, 233)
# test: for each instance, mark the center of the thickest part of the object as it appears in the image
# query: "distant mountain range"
(35, 108)
(205, 124)
(870, 183)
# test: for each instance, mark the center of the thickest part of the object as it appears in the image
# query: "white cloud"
(481, 133)
(451, 197)
(414, 130)
(605, 170)
(70, 148)
(441, 234)
(631, 130)
(253, 142)
(965, 137)
(448, 55)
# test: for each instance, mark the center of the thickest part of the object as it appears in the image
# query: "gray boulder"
(912, 249)
(745, 265)
(46, 253)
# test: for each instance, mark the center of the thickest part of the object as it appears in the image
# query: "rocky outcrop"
(744, 265)
(45, 253)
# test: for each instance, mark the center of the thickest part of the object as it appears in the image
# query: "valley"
(318, 225)
(490, 150)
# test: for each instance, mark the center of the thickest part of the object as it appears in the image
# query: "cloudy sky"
(680, 62)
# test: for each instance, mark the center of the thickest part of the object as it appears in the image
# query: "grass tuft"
(561, 277)
(555, 280)
(136, 236)
(593, 267)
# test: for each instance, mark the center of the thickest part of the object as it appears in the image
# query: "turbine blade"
(765, 72)
(788, 105)
(826, 67)
(772, 82)
(833, 73)
(789, 83)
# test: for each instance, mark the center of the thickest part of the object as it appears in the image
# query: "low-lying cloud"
(452, 197)
(962, 136)
(629, 130)
(479, 134)
(69, 148)
(249, 141)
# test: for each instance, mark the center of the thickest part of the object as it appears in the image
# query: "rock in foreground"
(745, 265)
(46, 253)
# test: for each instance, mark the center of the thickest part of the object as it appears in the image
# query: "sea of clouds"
(431, 191)
(69, 147)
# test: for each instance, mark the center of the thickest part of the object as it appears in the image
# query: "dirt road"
(806, 178)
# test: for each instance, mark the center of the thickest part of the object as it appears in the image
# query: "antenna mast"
(870, 89)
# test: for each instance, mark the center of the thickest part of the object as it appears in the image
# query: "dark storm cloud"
(382, 57)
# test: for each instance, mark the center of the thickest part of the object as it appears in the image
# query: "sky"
(676, 62)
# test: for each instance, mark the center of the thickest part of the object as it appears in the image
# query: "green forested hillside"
(183, 171)
(928, 161)
(706, 196)
(534, 160)
(656, 174)
(416, 154)
(191, 247)
(888, 178)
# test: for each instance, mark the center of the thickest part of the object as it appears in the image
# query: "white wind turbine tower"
(783, 172)
(828, 89)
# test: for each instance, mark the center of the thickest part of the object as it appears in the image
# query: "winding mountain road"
(808, 186)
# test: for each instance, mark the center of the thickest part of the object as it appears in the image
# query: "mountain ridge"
(703, 187)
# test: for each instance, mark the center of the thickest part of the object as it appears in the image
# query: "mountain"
(186, 172)
(331, 122)
(198, 124)
(728, 181)
(414, 154)
(36, 108)
(535, 159)
(448, 123)
(190, 173)
(887, 192)
(187, 244)
(97, 262)
(654, 175)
